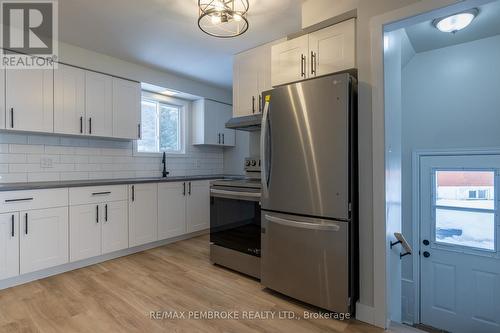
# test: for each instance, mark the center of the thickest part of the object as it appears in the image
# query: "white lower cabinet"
(198, 206)
(43, 239)
(9, 245)
(84, 232)
(171, 209)
(115, 227)
(143, 214)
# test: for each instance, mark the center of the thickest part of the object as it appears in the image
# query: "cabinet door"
(43, 239)
(228, 135)
(114, 226)
(211, 123)
(143, 214)
(198, 206)
(245, 86)
(84, 232)
(9, 245)
(99, 104)
(333, 48)
(2, 98)
(171, 209)
(289, 61)
(264, 71)
(69, 100)
(30, 100)
(126, 109)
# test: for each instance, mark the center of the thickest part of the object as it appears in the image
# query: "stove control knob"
(254, 162)
(247, 163)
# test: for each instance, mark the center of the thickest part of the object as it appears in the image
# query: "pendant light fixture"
(223, 18)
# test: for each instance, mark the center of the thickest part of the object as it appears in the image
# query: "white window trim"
(185, 107)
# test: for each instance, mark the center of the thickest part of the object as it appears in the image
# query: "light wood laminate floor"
(118, 296)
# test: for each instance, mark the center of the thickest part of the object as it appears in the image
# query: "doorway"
(459, 258)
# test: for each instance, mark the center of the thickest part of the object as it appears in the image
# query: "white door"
(460, 262)
(9, 245)
(333, 49)
(143, 214)
(245, 89)
(198, 206)
(99, 104)
(44, 239)
(29, 99)
(171, 209)
(126, 109)
(69, 100)
(114, 226)
(289, 61)
(84, 232)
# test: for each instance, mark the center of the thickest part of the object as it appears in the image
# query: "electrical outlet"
(46, 162)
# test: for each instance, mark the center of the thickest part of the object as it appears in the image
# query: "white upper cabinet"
(99, 104)
(289, 60)
(69, 100)
(2, 98)
(322, 52)
(9, 245)
(209, 123)
(29, 100)
(252, 76)
(43, 239)
(126, 109)
(143, 214)
(333, 49)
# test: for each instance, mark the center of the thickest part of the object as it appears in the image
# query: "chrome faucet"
(164, 161)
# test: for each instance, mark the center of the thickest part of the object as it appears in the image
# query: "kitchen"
(194, 166)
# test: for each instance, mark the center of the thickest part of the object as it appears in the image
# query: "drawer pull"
(18, 200)
(101, 193)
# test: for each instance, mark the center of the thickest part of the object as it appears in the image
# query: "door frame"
(380, 313)
(416, 203)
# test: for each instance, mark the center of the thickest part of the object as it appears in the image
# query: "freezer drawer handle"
(304, 225)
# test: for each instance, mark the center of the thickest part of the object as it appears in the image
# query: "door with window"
(459, 258)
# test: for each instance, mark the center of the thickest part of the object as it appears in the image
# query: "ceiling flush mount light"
(223, 18)
(456, 22)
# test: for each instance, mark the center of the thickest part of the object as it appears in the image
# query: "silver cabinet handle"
(313, 63)
(303, 225)
(218, 141)
(302, 65)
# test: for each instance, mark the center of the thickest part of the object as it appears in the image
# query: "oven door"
(235, 219)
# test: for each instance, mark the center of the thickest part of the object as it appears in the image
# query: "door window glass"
(464, 208)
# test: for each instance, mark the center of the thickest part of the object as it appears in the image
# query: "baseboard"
(366, 313)
(25, 278)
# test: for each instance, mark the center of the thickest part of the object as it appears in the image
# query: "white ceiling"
(164, 33)
(425, 37)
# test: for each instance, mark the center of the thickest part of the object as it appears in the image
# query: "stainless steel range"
(235, 221)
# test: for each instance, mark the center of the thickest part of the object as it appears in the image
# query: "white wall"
(450, 100)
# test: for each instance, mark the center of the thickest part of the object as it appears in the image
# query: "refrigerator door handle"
(263, 146)
(329, 226)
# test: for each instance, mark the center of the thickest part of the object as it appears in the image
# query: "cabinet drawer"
(97, 194)
(33, 199)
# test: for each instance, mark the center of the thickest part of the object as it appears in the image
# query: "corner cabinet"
(209, 123)
(251, 76)
(322, 52)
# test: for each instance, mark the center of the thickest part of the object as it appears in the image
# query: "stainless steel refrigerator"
(309, 192)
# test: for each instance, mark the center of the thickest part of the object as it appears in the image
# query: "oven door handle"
(235, 194)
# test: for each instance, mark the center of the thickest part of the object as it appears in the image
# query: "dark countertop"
(102, 182)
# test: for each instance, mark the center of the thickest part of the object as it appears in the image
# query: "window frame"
(184, 107)
(494, 211)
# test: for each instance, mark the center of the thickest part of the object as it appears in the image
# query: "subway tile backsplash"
(33, 158)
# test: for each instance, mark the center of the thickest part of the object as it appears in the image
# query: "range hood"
(247, 123)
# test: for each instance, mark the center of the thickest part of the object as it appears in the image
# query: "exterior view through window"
(161, 127)
(465, 208)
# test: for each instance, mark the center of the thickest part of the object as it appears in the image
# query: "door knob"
(426, 242)
(427, 254)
